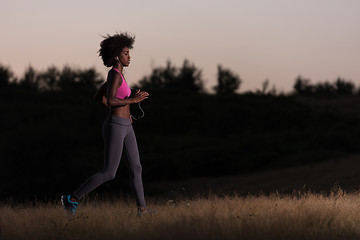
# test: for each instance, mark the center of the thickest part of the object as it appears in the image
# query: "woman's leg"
(132, 158)
(113, 135)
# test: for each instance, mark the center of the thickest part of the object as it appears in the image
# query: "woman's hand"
(140, 96)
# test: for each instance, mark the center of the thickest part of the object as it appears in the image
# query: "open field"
(300, 215)
(265, 205)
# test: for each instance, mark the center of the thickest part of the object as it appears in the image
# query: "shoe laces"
(73, 205)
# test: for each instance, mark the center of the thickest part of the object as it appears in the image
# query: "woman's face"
(125, 57)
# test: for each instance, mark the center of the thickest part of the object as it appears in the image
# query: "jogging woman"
(118, 134)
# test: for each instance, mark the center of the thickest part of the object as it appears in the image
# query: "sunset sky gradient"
(257, 39)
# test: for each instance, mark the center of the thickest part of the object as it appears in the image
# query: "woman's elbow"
(110, 102)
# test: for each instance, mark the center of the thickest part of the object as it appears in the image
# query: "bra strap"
(117, 70)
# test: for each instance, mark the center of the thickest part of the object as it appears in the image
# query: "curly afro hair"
(112, 46)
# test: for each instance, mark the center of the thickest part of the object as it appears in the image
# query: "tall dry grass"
(297, 216)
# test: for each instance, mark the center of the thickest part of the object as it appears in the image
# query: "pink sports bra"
(124, 90)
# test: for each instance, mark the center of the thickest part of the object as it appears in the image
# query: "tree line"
(51, 79)
(186, 78)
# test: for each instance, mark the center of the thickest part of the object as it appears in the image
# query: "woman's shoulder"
(113, 75)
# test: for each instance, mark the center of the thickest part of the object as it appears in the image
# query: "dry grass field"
(300, 215)
(258, 206)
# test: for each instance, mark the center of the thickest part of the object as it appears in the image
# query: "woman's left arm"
(100, 94)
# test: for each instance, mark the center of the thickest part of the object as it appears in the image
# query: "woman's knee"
(137, 168)
(109, 175)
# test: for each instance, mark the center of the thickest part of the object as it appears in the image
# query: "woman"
(118, 134)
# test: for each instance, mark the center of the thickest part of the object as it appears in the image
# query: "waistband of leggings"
(118, 120)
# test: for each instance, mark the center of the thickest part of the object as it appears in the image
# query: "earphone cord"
(143, 113)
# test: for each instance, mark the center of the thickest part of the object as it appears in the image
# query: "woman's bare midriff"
(123, 111)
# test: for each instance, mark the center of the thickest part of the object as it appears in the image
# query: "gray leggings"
(119, 138)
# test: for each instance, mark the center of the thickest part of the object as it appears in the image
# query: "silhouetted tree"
(6, 75)
(265, 86)
(71, 79)
(265, 89)
(161, 77)
(302, 86)
(49, 79)
(67, 79)
(187, 78)
(324, 89)
(88, 79)
(30, 79)
(339, 88)
(344, 88)
(228, 82)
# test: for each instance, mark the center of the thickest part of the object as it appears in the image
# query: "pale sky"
(257, 39)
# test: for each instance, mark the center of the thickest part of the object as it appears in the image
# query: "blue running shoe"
(146, 211)
(69, 206)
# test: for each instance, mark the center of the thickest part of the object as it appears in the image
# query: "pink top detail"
(124, 90)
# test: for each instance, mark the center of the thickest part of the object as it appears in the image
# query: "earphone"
(117, 59)
(142, 115)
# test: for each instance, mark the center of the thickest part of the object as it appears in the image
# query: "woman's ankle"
(74, 199)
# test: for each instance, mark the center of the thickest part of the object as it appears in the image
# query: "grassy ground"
(267, 205)
(301, 215)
